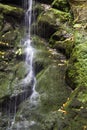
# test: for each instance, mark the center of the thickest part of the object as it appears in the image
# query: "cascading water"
(29, 51)
(29, 54)
(30, 79)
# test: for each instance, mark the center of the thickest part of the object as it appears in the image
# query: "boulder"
(11, 13)
(79, 9)
(63, 40)
(77, 67)
(62, 5)
(50, 21)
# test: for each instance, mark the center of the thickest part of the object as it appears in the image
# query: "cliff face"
(59, 30)
(10, 20)
(66, 30)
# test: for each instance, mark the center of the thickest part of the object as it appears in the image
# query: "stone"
(51, 21)
(63, 40)
(62, 5)
(79, 9)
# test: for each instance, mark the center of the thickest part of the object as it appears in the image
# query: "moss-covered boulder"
(79, 9)
(37, 10)
(9, 11)
(11, 78)
(68, 37)
(10, 18)
(63, 40)
(78, 66)
(62, 5)
(50, 21)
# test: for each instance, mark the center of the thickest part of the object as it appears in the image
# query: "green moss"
(61, 5)
(79, 11)
(49, 82)
(63, 40)
(42, 56)
(6, 9)
(82, 97)
(50, 21)
(52, 14)
(4, 85)
(50, 78)
(79, 69)
(38, 8)
(77, 75)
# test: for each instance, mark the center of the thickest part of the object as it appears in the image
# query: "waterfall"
(30, 79)
(29, 53)
(29, 50)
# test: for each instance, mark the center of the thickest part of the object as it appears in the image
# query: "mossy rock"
(10, 32)
(7, 9)
(7, 27)
(38, 9)
(50, 21)
(47, 84)
(10, 80)
(78, 66)
(11, 12)
(76, 109)
(4, 84)
(10, 35)
(62, 5)
(63, 40)
(79, 9)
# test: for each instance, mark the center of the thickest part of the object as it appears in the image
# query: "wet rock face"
(12, 67)
(10, 34)
(53, 25)
(79, 9)
(51, 87)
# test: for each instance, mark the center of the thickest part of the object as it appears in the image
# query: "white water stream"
(29, 52)
(29, 55)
